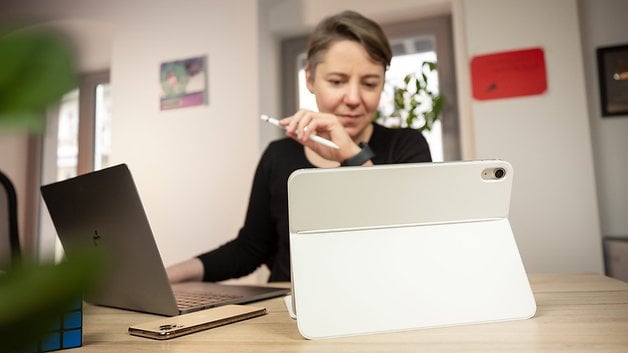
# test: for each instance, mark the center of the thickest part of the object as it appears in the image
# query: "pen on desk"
(315, 138)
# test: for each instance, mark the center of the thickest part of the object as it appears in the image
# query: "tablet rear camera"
(499, 173)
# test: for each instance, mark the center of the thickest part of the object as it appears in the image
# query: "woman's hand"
(305, 123)
(189, 270)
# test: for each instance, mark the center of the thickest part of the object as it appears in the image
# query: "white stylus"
(315, 138)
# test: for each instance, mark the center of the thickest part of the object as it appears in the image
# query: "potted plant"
(416, 103)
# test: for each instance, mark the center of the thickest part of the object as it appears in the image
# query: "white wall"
(603, 24)
(554, 210)
(193, 166)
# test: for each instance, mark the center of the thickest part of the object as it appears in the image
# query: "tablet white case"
(399, 247)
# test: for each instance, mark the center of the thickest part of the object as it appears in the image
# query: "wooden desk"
(576, 313)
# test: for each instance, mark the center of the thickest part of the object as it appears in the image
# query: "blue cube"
(66, 332)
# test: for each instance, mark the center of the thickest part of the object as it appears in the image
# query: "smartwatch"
(362, 157)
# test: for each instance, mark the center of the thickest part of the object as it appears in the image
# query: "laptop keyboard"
(186, 300)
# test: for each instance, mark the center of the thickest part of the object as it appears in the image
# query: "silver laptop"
(103, 209)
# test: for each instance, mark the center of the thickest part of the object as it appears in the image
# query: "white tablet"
(399, 247)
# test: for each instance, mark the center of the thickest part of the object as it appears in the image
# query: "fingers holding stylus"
(321, 132)
(305, 123)
(298, 125)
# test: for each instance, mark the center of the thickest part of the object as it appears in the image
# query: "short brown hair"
(348, 25)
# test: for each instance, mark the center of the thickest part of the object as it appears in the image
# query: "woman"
(347, 57)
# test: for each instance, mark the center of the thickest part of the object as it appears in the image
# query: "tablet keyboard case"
(389, 248)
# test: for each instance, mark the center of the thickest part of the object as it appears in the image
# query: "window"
(102, 131)
(67, 136)
(77, 140)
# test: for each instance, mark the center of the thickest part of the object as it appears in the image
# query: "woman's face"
(348, 83)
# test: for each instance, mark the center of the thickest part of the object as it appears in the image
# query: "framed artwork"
(183, 83)
(613, 76)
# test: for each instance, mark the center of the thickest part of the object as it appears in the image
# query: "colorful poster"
(183, 83)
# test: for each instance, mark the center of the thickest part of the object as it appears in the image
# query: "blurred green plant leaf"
(36, 69)
(33, 296)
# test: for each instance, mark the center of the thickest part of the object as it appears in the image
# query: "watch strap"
(360, 158)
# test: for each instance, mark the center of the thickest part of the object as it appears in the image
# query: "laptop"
(405, 247)
(103, 209)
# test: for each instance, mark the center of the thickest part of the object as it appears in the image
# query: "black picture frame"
(612, 65)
